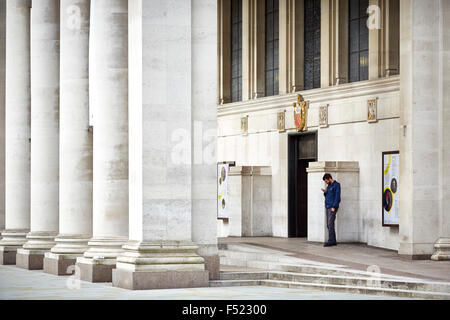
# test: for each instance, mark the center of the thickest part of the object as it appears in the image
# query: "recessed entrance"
(302, 149)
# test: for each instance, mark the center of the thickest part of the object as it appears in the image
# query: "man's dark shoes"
(328, 244)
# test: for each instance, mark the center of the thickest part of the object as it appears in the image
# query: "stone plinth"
(160, 265)
(347, 219)
(442, 250)
(11, 241)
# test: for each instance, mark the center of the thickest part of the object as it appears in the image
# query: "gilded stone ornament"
(372, 110)
(281, 121)
(300, 113)
(244, 125)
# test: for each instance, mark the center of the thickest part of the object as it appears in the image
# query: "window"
(271, 47)
(358, 40)
(236, 50)
(312, 44)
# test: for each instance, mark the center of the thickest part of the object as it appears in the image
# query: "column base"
(93, 270)
(442, 250)
(160, 265)
(212, 264)
(145, 280)
(8, 255)
(29, 260)
(59, 265)
(63, 256)
(12, 239)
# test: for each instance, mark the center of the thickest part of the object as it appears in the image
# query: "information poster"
(222, 186)
(391, 173)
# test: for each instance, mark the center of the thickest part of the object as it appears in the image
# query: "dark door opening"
(302, 149)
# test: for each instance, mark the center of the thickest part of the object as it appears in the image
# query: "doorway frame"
(292, 138)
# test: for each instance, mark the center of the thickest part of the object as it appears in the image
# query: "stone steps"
(342, 284)
(417, 285)
(298, 266)
(274, 268)
(358, 289)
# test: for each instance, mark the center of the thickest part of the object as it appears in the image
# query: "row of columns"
(94, 110)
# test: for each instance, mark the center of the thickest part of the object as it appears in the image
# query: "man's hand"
(323, 190)
(333, 210)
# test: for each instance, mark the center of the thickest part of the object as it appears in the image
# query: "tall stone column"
(420, 150)
(442, 245)
(169, 92)
(75, 167)
(204, 124)
(17, 130)
(44, 134)
(108, 84)
(2, 111)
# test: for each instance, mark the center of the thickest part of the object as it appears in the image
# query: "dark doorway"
(302, 149)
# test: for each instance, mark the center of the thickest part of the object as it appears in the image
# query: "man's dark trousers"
(331, 217)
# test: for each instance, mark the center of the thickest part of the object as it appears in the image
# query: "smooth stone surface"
(7, 256)
(144, 280)
(59, 267)
(30, 261)
(94, 272)
(21, 284)
(212, 264)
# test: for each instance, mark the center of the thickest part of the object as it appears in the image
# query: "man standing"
(332, 199)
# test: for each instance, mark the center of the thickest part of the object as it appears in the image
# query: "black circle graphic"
(394, 185)
(387, 200)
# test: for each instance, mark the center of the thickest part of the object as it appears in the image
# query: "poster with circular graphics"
(222, 194)
(390, 196)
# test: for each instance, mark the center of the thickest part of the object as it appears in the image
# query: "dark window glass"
(358, 44)
(312, 44)
(271, 47)
(236, 50)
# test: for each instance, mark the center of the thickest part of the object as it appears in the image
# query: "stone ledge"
(94, 272)
(144, 280)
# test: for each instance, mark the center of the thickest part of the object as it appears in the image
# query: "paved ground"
(356, 256)
(21, 284)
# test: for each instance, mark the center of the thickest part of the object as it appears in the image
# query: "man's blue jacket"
(333, 195)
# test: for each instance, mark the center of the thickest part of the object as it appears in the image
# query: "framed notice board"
(390, 193)
(222, 190)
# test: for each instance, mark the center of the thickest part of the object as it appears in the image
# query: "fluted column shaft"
(44, 133)
(108, 84)
(75, 154)
(17, 130)
(2, 112)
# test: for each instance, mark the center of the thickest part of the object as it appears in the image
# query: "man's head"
(328, 178)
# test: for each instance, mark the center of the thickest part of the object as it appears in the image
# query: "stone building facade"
(375, 75)
(116, 112)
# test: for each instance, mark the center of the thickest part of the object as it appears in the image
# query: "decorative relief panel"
(372, 110)
(281, 121)
(323, 116)
(244, 125)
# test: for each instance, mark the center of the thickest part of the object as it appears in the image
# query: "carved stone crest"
(323, 116)
(372, 110)
(244, 125)
(300, 113)
(281, 121)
